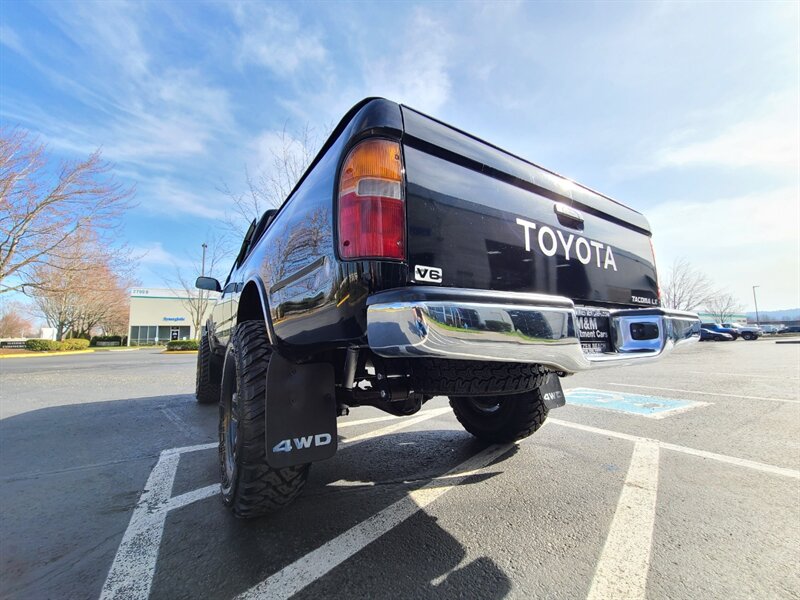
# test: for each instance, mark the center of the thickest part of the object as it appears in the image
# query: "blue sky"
(687, 112)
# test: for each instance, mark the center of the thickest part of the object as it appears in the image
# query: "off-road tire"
(250, 487)
(206, 383)
(512, 418)
(443, 377)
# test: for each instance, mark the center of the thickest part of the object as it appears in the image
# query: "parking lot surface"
(678, 479)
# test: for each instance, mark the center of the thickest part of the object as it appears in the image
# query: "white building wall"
(157, 315)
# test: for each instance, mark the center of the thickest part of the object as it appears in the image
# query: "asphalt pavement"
(677, 479)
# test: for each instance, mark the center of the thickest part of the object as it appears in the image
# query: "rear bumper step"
(514, 327)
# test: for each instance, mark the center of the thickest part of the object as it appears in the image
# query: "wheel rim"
(487, 405)
(230, 428)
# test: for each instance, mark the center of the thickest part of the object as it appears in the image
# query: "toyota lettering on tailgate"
(553, 241)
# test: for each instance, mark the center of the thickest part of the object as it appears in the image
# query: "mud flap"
(551, 392)
(300, 413)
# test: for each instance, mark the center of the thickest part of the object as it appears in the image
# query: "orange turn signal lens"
(378, 159)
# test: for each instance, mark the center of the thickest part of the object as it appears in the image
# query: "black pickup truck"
(413, 260)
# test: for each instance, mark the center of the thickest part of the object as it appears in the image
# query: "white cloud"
(172, 115)
(739, 242)
(154, 254)
(415, 72)
(275, 39)
(155, 121)
(289, 148)
(165, 196)
(264, 148)
(10, 39)
(142, 111)
(769, 139)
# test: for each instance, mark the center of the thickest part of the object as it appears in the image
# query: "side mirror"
(207, 283)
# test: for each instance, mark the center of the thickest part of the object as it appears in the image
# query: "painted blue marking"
(637, 404)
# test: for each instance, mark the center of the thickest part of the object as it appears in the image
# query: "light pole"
(758, 324)
(203, 266)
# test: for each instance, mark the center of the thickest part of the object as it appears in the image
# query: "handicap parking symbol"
(654, 407)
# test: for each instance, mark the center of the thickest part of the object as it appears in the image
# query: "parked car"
(413, 260)
(720, 329)
(709, 335)
(748, 332)
(792, 329)
(770, 329)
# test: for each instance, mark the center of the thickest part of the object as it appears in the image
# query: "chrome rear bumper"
(514, 327)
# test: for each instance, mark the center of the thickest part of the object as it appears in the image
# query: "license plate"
(594, 330)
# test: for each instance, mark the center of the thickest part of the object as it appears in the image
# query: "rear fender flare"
(253, 305)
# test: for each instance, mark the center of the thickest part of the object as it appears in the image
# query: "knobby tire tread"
(518, 415)
(259, 489)
(472, 378)
(206, 387)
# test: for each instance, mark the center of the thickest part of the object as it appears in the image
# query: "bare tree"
(115, 320)
(80, 288)
(290, 154)
(12, 323)
(198, 302)
(723, 306)
(41, 211)
(56, 297)
(686, 288)
(102, 303)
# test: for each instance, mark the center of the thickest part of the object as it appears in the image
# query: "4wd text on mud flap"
(321, 439)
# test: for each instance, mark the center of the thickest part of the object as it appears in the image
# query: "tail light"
(655, 269)
(372, 216)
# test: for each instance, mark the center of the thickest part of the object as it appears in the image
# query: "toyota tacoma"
(413, 260)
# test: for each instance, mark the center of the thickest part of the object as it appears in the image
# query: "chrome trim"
(542, 332)
(568, 212)
(297, 275)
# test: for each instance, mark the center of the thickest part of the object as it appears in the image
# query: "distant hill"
(790, 314)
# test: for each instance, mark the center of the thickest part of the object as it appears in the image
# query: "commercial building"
(160, 315)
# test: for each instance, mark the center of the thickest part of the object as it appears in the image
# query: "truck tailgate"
(486, 219)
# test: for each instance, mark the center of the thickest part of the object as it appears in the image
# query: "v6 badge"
(427, 274)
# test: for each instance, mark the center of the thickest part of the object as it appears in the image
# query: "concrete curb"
(123, 349)
(38, 354)
(179, 352)
(68, 352)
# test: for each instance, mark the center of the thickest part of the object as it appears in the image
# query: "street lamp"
(755, 301)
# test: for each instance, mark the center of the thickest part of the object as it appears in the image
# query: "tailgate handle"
(569, 217)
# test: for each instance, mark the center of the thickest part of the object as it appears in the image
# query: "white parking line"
(131, 573)
(193, 496)
(625, 561)
(341, 424)
(301, 573)
(422, 416)
(650, 387)
(745, 375)
(195, 448)
(731, 460)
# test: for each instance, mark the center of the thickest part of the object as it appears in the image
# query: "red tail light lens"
(372, 216)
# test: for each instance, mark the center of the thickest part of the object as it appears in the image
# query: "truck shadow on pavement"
(72, 475)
